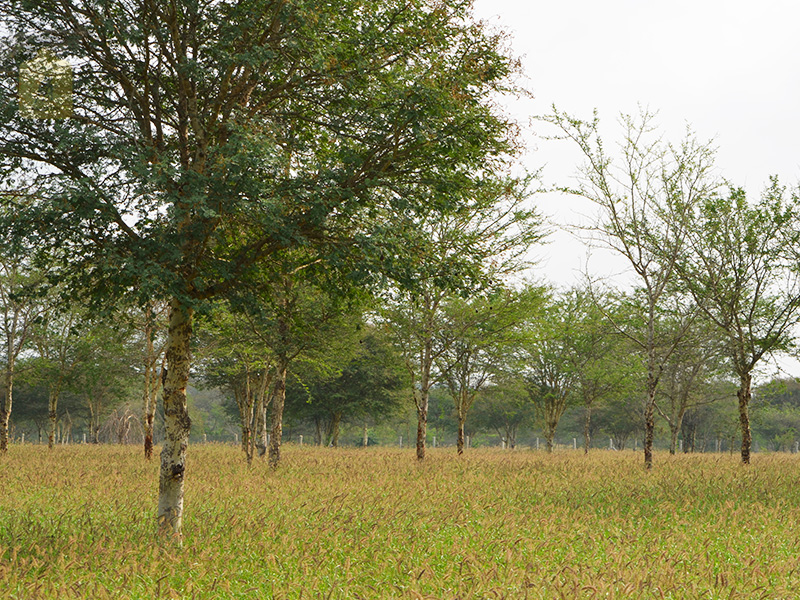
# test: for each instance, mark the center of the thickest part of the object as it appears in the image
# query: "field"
(79, 522)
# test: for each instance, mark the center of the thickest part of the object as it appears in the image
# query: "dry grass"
(79, 522)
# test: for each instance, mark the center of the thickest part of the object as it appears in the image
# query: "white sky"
(729, 69)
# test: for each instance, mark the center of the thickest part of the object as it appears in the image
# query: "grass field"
(79, 522)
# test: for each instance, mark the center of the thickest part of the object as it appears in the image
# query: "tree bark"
(744, 416)
(52, 417)
(424, 391)
(5, 409)
(278, 399)
(460, 440)
(549, 438)
(176, 420)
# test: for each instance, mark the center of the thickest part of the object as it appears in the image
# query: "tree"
(690, 378)
(550, 362)
(478, 336)
(644, 201)
(19, 310)
(366, 386)
(504, 406)
(238, 362)
(739, 267)
(468, 252)
(153, 332)
(204, 138)
(62, 351)
(596, 356)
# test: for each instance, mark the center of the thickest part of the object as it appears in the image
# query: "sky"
(730, 70)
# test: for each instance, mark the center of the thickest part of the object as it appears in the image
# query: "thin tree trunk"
(744, 417)
(278, 399)
(149, 367)
(587, 428)
(649, 420)
(337, 419)
(673, 439)
(5, 410)
(424, 395)
(52, 417)
(176, 420)
(422, 424)
(318, 431)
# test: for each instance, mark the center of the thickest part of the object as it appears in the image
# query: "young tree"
(206, 137)
(739, 267)
(644, 201)
(478, 337)
(154, 334)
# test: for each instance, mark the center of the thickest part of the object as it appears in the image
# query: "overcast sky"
(729, 69)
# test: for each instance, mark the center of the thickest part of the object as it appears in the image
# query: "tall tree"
(643, 200)
(740, 269)
(206, 137)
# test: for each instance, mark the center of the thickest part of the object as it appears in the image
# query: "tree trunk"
(744, 417)
(649, 419)
(549, 438)
(151, 382)
(424, 395)
(587, 429)
(5, 410)
(422, 425)
(52, 418)
(460, 440)
(261, 426)
(673, 439)
(337, 419)
(317, 431)
(278, 399)
(176, 420)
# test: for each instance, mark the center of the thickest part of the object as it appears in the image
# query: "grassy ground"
(79, 522)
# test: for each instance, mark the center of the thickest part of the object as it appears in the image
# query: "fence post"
(236, 438)
(23, 437)
(401, 441)
(205, 438)
(574, 443)
(301, 441)
(537, 443)
(434, 441)
(467, 441)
